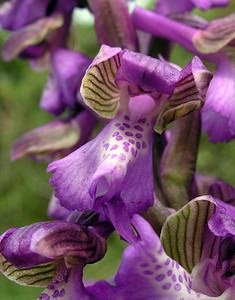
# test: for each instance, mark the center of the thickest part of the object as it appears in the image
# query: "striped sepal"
(99, 89)
(183, 232)
(216, 36)
(185, 100)
(38, 276)
(31, 35)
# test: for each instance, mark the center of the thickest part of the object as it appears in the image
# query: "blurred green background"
(24, 188)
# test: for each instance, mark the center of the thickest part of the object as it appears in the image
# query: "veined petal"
(48, 241)
(55, 139)
(189, 94)
(31, 35)
(216, 36)
(113, 24)
(38, 276)
(45, 142)
(178, 235)
(98, 88)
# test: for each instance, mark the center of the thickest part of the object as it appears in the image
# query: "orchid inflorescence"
(137, 175)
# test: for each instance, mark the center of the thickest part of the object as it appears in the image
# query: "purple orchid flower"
(214, 43)
(136, 91)
(27, 18)
(167, 7)
(51, 254)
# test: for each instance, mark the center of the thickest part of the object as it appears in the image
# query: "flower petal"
(31, 35)
(216, 36)
(178, 233)
(38, 276)
(57, 211)
(98, 88)
(218, 113)
(46, 241)
(112, 165)
(189, 94)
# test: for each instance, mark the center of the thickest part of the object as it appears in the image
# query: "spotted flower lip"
(107, 171)
(147, 272)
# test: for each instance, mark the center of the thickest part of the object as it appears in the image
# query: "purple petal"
(222, 191)
(56, 211)
(46, 241)
(69, 68)
(30, 35)
(19, 13)
(218, 113)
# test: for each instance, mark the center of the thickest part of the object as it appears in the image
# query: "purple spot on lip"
(166, 286)
(144, 145)
(122, 157)
(177, 287)
(131, 141)
(113, 155)
(133, 152)
(167, 262)
(139, 135)
(119, 138)
(106, 146)
(157, 267)
(126, 144)
(137, 127)
(143, 265)
(51, 287)
(160, 277)
(114, 147)
(180, 278)
(128, 133)
(138, 145)
(169, 273)
(117, 124)
(44, 297)
(62, 292)
(56, 294)
(173, 278)
(126, 149)
(116, 133)
(147, 272)
(127, 118)
(122, 128)
(142, 120)
(126, 125)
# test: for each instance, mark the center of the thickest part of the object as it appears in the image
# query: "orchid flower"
(214, 42)
(52, 255)
(135, 91)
